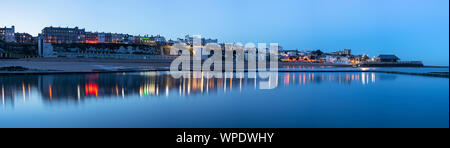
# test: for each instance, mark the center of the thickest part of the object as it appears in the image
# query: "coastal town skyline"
(68, 35)
(81, 39)
(416, 30)
(188, 65)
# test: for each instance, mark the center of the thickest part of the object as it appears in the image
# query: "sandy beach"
(92, 65)
(82, 65)
(42, 65)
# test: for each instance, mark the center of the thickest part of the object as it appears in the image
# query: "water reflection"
(305, 78)
(50, 89)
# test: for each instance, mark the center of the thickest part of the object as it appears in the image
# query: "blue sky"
(412, 29)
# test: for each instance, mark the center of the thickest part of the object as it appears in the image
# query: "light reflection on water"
(156, 99)
(76, 88)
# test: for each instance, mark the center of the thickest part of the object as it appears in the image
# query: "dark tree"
(317, 52)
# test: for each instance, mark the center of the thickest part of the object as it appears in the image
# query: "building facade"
(7, 34)
(101, 37)
(24, 38)
(345, 52)
(153, 40)
(190, 40)
(129, 39)
(187, 39)
(209, 41)
(58, 35)
(115, 38)
(118, 38)
(91, 38)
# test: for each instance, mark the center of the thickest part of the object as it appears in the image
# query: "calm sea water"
(156, 99)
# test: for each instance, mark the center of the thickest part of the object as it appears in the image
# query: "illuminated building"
(91, 38)
(60, 35)
(7, 34)
(115, 38)
(23, 38)
(153, 40)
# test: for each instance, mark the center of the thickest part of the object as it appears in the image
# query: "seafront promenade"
(87, 65)
(67, 65)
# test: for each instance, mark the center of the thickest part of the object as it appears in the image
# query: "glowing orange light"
(117, 90)
(91, 42)
(23, 91)
(50, 92)
(91, 89)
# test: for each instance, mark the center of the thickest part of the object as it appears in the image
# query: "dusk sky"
(411, 29)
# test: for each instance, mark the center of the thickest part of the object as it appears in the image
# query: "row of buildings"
(338, 57)
(189, 40)
(9, 35)
(66, 35)
(60, 35)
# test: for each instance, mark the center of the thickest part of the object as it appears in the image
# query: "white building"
(342, 60)
(45, 49)
(101, 37)
(330, 59)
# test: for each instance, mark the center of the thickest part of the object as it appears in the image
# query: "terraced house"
(24, 38)
(7, 34)
(59, 35)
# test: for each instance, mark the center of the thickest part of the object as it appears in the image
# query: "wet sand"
(64, 65)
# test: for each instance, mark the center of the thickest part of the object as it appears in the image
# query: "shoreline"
(437, 74)
(441, 75)
(52, 66)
